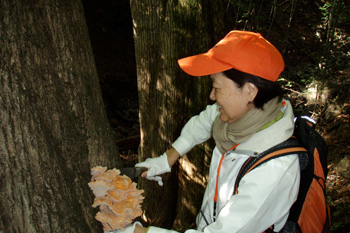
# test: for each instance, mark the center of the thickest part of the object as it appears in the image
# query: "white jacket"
(265, 195)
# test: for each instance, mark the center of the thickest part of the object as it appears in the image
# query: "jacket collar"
(271, 136)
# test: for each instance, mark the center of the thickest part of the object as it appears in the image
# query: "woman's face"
(234, 102)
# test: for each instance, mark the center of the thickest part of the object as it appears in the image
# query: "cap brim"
(201, 65)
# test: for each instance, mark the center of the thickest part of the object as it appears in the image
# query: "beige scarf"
(227, 134)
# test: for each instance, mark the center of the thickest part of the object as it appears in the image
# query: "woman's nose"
(212, 94)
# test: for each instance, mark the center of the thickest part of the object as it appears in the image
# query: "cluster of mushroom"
(117, 196)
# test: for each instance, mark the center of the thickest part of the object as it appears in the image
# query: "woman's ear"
(251, 91)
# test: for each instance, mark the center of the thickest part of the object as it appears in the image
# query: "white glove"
(129, 229)
(156, 167)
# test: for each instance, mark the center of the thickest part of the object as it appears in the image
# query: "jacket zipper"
(217, 179)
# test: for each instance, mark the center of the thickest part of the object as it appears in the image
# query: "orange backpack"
(310, 213)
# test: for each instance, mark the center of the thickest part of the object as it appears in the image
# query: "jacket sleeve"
(264, 197)
(197, 130)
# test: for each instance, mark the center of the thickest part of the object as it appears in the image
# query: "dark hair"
(267, 90)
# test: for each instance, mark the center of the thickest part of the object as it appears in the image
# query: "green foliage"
(325, 9)
(286, 83)
(192, 3)
(334, 35)
(338, 9)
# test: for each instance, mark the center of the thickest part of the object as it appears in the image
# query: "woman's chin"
(223, 118)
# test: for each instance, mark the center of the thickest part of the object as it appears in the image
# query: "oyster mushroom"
(117, 197)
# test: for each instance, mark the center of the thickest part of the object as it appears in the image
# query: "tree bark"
(165, 31)
(53, 123)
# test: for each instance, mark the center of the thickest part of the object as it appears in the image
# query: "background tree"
(52, 118)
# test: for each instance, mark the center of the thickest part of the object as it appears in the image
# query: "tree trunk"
(165, 31)
(53, 123)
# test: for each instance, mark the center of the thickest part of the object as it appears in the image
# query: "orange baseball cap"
(248, 52)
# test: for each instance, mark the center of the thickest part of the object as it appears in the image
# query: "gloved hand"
(129, 229)
(156, 167)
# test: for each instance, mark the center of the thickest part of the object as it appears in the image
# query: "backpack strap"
(290, 146)
(308, 136)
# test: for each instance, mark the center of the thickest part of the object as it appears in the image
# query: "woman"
(249, 117)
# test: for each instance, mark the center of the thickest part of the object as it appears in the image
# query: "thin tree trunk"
(53, 123)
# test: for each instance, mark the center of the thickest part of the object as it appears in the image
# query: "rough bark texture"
(53, 126)
(165, 31)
